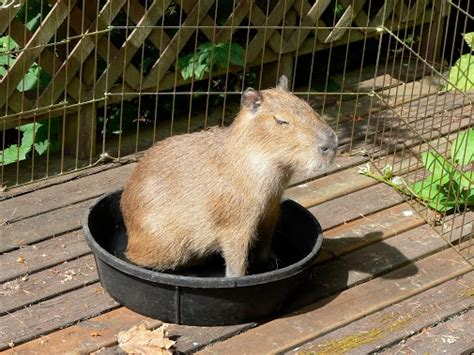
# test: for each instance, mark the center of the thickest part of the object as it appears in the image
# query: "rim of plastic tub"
(194, 281)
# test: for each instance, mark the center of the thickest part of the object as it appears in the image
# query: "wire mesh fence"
(88, 82)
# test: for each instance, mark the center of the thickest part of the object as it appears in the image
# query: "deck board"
(53, 314)
(56, 222)
(55, 197)
(371, 228)
(399, 321)
(453, 336)
(42, 285)
(42, 255)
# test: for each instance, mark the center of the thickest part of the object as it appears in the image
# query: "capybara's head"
(287, 130)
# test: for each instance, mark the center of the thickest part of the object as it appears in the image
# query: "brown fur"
(219, 190)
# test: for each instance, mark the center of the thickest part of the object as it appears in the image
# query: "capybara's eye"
(280, 121)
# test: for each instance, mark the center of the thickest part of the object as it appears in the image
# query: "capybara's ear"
(283, 83)
(251, 99)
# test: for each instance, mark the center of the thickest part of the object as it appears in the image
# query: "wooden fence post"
(431, 40)
(80, 132)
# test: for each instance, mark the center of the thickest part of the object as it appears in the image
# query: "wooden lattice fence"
(87, 48)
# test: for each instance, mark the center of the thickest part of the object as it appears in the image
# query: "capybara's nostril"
(328, 142)
(324, 149)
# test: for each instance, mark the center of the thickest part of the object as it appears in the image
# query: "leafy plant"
(207, 55)
(33, 136)
(448, 187)
(33, 78)
(461, 74)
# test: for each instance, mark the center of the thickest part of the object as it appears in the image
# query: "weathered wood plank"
(46, 225)
(324, 316)
(8, 14)
(354, 205)
(52, 314)
(370, 229)
(88, 335)
(42, 255)
(454, 336)
(397, 136)
(405, 318)
(371, 261)
(71, 192)
(60, 179)
(388, 97)
(36, 287)
(101, 331)
(314, 192)
(443, 102)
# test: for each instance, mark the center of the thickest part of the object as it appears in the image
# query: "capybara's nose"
(328, 142)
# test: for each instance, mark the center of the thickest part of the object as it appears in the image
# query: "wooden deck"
(385, 281)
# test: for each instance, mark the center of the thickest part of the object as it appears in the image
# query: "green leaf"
(339, 10)
(6, 59)
(426, 189)
(461, 74)
(7, 44)
(440, 206)
(207, 55)
(42, 147)
(34, 134)
(465, 179)
(462, 149)
(200, 70)
(436, 164)
(29, 132)
(221, 55)
(30, 80)
(12, 154)
(431, 192)
(469, 38)
(33, 24)
(470, 199)
(237, 54)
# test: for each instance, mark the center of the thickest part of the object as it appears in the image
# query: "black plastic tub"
(197, 296)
